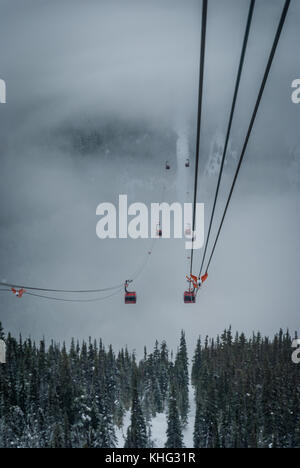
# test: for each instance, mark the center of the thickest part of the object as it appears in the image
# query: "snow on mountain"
(158, 427)
(215, 154)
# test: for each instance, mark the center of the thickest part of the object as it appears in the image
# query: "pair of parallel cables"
(234, 101)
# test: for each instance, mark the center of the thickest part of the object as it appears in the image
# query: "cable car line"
(236, 91)
(144, 264)
(140, 270)
(189, 296)
(73, 291)
(20, 290)
(199, 116)
(130, 296)
(82, 291)
(62, 299)
(260, 95)
(194, 282)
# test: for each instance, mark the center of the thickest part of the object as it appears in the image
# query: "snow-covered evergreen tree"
(174, 429)
(137, 432)
(181, 372)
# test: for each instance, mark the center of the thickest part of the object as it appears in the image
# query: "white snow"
(159, 427)
(121, 433)
(158, 430)
(189, 431)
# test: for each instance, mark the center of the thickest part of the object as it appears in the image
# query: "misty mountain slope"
(95, 114)
(114, 138)
(48, 238)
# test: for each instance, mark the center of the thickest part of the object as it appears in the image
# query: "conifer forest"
(245, 392)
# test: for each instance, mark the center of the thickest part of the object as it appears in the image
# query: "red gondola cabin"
(188, 230)
(130, 298)
(189, 297)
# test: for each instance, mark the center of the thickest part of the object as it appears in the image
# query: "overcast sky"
(74, 64)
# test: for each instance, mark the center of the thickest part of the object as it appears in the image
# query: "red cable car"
(187, 163)
(188, 230)
(168, 167)
(130, 296)
(158, 231)
(189, 297)
(18, 293)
